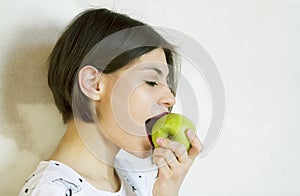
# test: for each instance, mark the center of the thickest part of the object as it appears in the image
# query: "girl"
(108, 74)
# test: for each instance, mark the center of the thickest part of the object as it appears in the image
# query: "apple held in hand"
(172, 126)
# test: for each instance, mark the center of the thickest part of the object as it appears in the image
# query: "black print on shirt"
(27, 190)
(71, 187)
(133, 188)
(30, 178)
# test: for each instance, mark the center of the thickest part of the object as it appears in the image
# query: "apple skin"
(173, 127)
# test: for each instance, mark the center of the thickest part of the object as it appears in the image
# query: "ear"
(90, 83)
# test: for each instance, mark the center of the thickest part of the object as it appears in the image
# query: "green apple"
(172, 126)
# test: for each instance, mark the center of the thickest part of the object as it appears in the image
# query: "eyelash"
(151, 83)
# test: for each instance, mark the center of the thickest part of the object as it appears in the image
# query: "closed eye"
(151, 83)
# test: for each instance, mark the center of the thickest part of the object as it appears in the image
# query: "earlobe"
(90, 83)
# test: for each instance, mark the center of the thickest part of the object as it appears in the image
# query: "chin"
(141, 152)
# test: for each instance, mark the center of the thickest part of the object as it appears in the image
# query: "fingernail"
(190, 133)
(159, 140)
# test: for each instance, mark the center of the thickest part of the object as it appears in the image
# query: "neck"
(93, 160)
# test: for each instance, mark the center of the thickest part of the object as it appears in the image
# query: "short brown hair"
(79, 39)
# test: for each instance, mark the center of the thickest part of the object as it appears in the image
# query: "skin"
(124, 100)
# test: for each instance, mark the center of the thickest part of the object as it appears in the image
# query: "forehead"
(156, 55)
(154, 59)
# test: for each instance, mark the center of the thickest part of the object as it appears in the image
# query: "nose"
(167, 98)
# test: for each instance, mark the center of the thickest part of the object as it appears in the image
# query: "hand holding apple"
(172, 158)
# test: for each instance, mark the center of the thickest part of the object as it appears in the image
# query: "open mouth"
(149, 124)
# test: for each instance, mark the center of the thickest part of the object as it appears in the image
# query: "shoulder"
(51, 178)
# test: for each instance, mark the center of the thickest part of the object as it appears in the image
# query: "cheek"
(140, 103)
(130, 105)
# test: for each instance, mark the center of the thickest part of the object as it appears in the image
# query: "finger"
(167, 155)
(177, 148)
(196, 144)
(161, 164)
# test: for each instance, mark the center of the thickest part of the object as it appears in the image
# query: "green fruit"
(172, 126)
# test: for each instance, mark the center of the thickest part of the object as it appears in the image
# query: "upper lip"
(158, 115)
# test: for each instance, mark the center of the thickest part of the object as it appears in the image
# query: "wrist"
(159, 191)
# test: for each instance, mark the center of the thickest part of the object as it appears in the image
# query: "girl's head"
(109, 68)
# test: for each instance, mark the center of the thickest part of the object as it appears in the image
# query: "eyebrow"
(158, 71)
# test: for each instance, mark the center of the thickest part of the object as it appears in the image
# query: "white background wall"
(255, 44)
